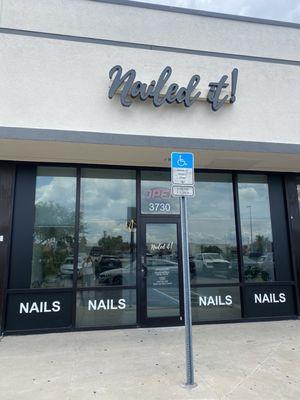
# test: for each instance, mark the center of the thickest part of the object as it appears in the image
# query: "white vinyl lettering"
(228, 300)
(122, 304)
(269, 298)
(211, 301)
(220, 302)
(24, 308)
(41, 307)
(265, 298)
(34, 307)
(161, 246)
(282, 297)
(92, 305)
(109, 304)
(112, 306)
(56, 306)
(160, 207)
(202, 300)
(274, 300)
(215, 300)
(257, 298)
(101, 305)
(46, 309)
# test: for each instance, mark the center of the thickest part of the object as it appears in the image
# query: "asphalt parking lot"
(232, 361)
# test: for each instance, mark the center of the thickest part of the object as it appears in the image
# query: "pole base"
(189, 386)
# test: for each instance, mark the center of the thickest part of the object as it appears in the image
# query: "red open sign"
(158, 193)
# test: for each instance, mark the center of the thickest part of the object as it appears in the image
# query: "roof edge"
(211, 14)
(133, 140)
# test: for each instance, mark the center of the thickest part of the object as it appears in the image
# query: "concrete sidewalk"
(232, 361)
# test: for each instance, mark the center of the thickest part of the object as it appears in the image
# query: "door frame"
(293, 218)
(144, 320)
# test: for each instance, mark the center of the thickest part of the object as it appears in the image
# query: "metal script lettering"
(213, 96)
(130, 89)
(133, 89)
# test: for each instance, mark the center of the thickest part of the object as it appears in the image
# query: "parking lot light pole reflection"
(251, 231)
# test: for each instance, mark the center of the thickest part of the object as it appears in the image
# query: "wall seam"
(144, 46)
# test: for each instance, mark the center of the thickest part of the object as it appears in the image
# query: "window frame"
(285, 211)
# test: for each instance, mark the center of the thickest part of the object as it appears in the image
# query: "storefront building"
(95, 95)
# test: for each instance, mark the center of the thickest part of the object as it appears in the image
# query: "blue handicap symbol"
(182, 160)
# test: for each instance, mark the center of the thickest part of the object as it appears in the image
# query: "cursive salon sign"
(161, 246)
(160, 92)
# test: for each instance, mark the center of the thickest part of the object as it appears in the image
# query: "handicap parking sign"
(182, 160)
(182, 167)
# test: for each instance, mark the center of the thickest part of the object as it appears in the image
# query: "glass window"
(107, 239)
(53, 239)
(256, 228)
(106, 307)
(156, 193)
(215, 303)
(212, 234)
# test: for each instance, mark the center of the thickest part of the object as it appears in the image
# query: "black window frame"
(285, 213)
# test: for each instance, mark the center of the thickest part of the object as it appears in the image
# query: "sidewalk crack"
(251, 373)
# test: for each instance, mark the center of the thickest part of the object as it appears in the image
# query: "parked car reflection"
(66, 269)
(107, 263)
(262, 269)
(210, 264)
(118, 276)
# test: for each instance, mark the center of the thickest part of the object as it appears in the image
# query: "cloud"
(104, 202)
(59, 190)
(248, 194)
(283, 10)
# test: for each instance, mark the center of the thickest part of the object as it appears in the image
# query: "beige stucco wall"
(63, 84)
(138, 25)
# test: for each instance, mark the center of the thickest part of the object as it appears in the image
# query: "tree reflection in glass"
(107, 229)
(52, 260)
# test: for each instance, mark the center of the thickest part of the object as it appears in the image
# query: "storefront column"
(7, 179)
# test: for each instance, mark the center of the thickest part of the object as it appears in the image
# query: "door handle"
(144, 270)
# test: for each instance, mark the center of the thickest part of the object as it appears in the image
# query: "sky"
(282, 10)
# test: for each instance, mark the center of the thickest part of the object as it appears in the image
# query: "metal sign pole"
(183, 186)
(187, 294)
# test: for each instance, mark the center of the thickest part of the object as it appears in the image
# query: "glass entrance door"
(161, 272)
